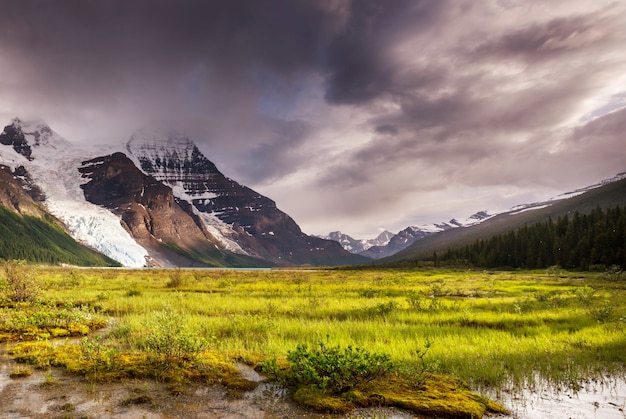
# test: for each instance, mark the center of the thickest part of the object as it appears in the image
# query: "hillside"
(29, 232)
(605, 196)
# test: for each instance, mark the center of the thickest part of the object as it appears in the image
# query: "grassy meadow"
(488, 329)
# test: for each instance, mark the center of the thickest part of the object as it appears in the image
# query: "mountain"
(244, 221)
(357, 246)
(387, 244)
(410, 235)
(157, 201)
(605, 194)
(158, 221)
(52, 163)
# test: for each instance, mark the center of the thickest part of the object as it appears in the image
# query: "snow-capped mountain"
(391, 243)
(156, 200)
(538, 205)
(358, 246)
(411, 234)
(245, 221)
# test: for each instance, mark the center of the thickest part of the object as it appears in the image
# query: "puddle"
(249, 373)
(601, 400)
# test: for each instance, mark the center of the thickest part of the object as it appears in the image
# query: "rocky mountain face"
(156, 200)
(150, 212)
(18, 194)
(14, 137)
(249, 222)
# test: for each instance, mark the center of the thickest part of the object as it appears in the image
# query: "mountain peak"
(160, 139)
(24, 135)
(163, 153)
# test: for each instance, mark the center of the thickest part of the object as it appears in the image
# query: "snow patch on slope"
(220, 231)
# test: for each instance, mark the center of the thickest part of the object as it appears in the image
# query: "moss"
(314, 398)
(111, 366)
(21, 372)
(58, 332)
(440, 396)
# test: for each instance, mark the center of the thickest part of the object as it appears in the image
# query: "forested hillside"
(581, 241)
(38, 240)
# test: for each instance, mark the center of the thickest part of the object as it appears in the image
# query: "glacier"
(54, 168)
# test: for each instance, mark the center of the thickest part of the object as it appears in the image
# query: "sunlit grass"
(487, 328)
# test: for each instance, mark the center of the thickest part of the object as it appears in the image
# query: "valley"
(499, 332)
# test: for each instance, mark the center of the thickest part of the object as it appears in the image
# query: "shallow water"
(605, 399)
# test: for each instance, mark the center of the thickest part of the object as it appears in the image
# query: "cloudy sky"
(352, 115)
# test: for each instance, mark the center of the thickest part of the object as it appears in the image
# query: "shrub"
(613, 273)
(176, 279)
(22, 286)
(385, 309)
(585, 294)
(554, 270)
(420, 370)
(417, 301)
(334, 370)
(603, 313)
(168, 340)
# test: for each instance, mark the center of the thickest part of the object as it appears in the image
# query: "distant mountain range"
(386, 244)
(378, 249)
(156, 200)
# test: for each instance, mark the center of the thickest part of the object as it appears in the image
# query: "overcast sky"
(353, 116)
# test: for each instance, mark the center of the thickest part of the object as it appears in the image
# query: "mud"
(54, 394)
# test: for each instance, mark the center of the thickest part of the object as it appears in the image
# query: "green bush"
(334, 370)
(168, 341)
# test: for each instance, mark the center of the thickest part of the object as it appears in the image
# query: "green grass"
(486, 329)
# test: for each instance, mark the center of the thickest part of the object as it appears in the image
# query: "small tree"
(21, 284)
(168, 340)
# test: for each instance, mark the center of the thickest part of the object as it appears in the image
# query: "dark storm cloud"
(474, 116)
(282, 34)
(79, 48)
(280, 155)
(366, 104)
(359, 64)
(119, 64)
(387, 129)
